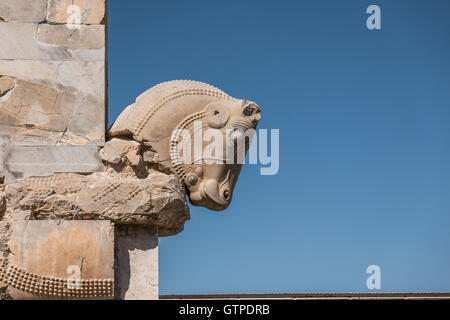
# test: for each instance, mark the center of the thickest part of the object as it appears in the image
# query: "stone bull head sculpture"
(171, 116)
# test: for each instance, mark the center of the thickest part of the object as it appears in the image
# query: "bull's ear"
(217, 115)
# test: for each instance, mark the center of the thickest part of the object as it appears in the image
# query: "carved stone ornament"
(145, 179)
(174, 107)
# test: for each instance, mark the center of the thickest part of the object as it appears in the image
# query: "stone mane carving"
(144, 181)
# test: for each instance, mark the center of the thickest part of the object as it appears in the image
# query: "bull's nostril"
(226, 195)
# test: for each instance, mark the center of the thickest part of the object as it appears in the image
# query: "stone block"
(84, 38)
(91, 11)
(36, 114)
(86, 77)
(136, 263)
(27, 161)
(6, 84)
(61, 260)
(30, 41)
(156, 200)
(23, 10)
(52, 103)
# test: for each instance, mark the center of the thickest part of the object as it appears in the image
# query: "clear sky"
(364, 120)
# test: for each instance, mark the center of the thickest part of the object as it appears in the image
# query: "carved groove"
(179, 165)
(176, 95)
(118, 199)
(43, 185)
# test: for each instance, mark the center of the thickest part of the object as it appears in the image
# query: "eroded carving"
(145, 178)
(45, 287)
(172, 107)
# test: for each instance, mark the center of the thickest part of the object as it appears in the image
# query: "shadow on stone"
(136, 262)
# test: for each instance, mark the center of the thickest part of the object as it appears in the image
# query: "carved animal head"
(183, 121)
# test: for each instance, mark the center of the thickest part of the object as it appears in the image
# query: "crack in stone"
(46, 11)
(27, 126)
(7, 90)
(4, 93)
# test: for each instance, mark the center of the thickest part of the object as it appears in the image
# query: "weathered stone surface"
(130, 191)
(4, 143)
(23, 10)
(52, 120)
(92, 11)
(50, 103)
(27, 161)
(2, 198)
(87, 123)
(29, 41)
(145, 177)
(161, 116)
(36, 106)
(71, 254)
(116, 151)
(86, 37)
(52, 76)
(157, 200)
(6, 84)
(35, 113)
(127, 192)
(136, 263)
(85, 77)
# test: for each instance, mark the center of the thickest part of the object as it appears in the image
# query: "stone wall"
(52, 86)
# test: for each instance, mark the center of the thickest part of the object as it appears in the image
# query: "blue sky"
(364, 139)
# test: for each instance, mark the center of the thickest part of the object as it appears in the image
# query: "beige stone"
(29, 41)
(161, 113)
(61, 260)
(4, 143)
(117, 151)
(2, 199)
(52, 122)
(86, 77)
(36, 106)
(92, 11)
(6, 84)
(35, 114)
(136, 263)
(142, 181)
(86, 37)
(87, 122)
(127, 191)
(28, 161)
(23, 10)
(60, 103)
(156, 200)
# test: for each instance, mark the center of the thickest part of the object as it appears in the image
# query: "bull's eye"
(226, 194)
(249, 110)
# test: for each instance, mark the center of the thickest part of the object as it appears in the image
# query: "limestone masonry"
(52, 120)
(82, 207)
(52, 84)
